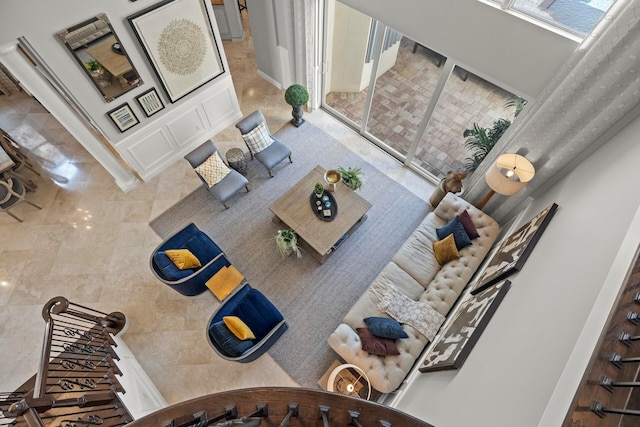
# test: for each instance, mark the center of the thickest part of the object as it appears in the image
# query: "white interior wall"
(486, 40)
(265, 40)
(40, 22)
(510, 375)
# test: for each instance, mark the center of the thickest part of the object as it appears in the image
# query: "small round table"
(350, 380)
(236, 160)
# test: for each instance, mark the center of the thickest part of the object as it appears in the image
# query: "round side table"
(350, 380)
(235, 158)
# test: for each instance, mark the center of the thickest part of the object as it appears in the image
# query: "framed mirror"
(99, 52)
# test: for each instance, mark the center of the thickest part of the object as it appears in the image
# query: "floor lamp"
(507, 176)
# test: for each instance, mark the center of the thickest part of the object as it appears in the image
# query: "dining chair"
(12, 192)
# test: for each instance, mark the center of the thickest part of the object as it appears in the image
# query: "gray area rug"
(312, 297)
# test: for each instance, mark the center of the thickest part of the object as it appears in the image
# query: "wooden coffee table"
(319, 238)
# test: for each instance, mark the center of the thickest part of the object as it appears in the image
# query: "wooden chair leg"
(290, 161)
(13, 216)
(247, 187)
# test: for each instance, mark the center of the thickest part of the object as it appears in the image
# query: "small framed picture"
(123, 117)
(150, 102)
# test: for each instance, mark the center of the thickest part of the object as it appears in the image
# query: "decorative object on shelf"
(123, 117)
(179, 42)
(453, 345)
(95, 39)
(350, 380)
(287, 243)
(296, 95)
(452, 183)
(150, 102)
(514, 250)
(351, 177)
(324, 205)
(507, 176)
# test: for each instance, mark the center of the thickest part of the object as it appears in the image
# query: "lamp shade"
(509, 174)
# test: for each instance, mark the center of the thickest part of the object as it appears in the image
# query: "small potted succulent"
(351, 177)
(318, 189)
(296, 95)
(287, 243)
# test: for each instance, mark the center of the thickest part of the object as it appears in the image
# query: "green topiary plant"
(318, 189)
(296, 95)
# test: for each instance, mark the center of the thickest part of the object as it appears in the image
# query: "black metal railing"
(76, 384)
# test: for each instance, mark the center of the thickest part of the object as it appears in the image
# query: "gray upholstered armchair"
(224, 189)
(261, 144)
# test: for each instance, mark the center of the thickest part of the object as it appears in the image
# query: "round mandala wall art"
(182, 47)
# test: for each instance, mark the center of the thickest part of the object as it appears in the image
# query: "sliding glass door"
(402, 95)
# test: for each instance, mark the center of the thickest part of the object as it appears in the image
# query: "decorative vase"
(297, 116)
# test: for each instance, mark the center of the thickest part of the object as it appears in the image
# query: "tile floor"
(91, 243)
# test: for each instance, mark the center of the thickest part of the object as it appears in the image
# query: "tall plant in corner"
(479, 141)
(296, 95)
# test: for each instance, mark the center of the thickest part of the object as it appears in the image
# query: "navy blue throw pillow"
(385, 327)
(456, 228)
(232, 345)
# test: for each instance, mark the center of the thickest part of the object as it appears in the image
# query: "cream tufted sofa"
(415, 271)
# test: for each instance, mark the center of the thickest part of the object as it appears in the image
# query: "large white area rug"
(312, 297)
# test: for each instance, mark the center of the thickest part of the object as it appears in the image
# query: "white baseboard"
(270, 79)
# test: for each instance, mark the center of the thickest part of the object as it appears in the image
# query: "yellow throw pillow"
(213, 170)
(445, 250)
(238, 328)
(183, 258)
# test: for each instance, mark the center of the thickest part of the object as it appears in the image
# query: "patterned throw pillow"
(258, 139)
(213, 170)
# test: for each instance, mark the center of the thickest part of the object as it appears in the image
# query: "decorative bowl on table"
(332, 176)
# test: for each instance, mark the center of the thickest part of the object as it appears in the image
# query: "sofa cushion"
(385, 327)
(455, 228)
(467, 223)
(168, 269)
(376, 345)
(445, 250)
(183, 258)
(232, 345)
(202, 247)
(415, 256)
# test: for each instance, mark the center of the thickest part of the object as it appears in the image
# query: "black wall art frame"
(180, 44)
(452, 347)
(123, 117)
(514, 250)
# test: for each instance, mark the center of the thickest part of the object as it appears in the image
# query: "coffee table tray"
(320, 213)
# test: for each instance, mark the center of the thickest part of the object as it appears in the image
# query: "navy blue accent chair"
(188, 282)
(258, 313)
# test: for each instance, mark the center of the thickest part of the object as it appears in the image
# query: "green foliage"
(318, 188)
(287, 242)
(481, 140)
(92, 65)
(351, 177)
(517, 103)
(296, 95)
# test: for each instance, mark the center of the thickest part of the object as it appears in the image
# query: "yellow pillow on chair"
(183, 258)
(238, 328)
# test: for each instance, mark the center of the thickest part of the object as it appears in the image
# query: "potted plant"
(93, 66)
(318, 189)
(287, 243)
(296, 95)
(351, 177)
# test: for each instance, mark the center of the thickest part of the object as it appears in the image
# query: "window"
(576, 16)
